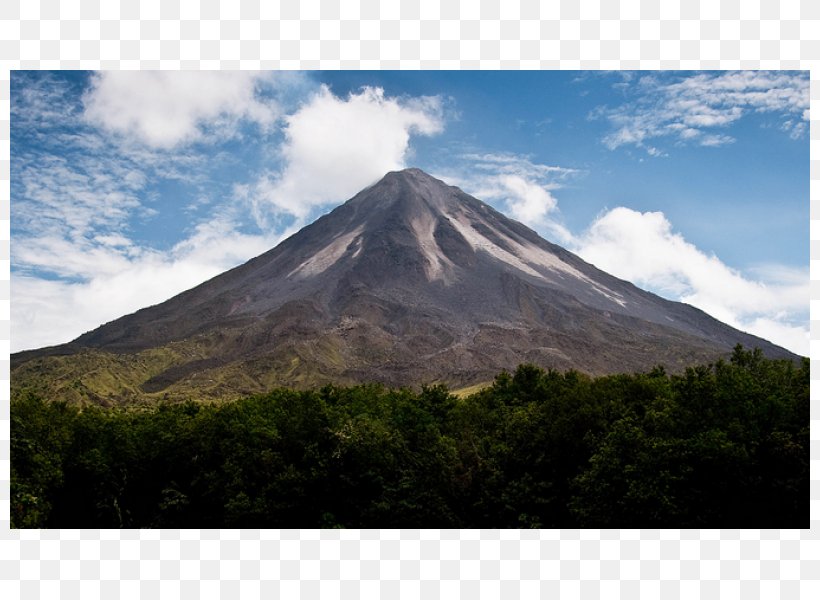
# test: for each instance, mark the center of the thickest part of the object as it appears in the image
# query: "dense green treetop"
(721, 445)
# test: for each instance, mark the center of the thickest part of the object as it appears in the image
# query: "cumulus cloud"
(529, 202)
(532, 204)
(336, 146)
(644, 249)
(770, 301)
(165, 108)
(688, 109)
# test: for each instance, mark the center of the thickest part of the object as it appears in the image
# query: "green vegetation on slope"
(724, 445)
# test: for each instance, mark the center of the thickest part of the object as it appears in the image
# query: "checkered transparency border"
(92, 34)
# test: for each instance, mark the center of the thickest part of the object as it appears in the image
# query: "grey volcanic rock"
(411, 281)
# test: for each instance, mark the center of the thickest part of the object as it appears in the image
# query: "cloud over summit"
(336, 146)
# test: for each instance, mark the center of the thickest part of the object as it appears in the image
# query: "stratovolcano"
(410, 282)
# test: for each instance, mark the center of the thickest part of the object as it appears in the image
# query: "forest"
(721, 445)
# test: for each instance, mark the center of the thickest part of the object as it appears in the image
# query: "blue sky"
(130, 187)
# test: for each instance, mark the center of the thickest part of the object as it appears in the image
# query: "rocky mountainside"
(410, 282)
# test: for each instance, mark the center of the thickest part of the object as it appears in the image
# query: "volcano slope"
(410, 282)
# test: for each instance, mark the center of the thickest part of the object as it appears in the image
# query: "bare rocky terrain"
(410, 282)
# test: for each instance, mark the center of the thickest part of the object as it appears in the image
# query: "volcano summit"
(409, 282)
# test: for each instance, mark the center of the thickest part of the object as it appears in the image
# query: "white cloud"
(792, 337)
(40, 100)
(76, 203)
(770, 301)
(507, 163)
(686, 109)
(795, 129)
(643, 248)
(73, 211)
(715, 140)
(114, 284)
(522, 187)
(336, 146)
(530, 202)
(166, 108)
(71, 215)
(82, 193)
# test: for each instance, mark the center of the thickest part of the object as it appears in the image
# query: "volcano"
(410, 282)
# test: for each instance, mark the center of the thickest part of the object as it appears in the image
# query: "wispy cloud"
(42, 101)
(521, 187)
(689, 109)
(74, 198)
(79, 197)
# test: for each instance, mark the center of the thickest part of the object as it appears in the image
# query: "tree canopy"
(720, 445)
